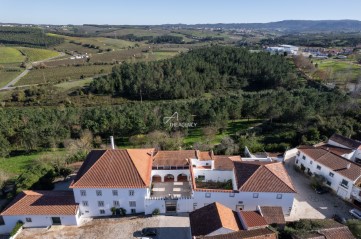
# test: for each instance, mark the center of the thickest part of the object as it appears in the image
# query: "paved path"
(309, 204)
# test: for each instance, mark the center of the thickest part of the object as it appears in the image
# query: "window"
(28, 219)
(133, 210)
(344, 183)
(115, 192)
(303, 157)
(131, 192)
(201, 177)
(208, 195)
(132, 204)
(2, 222)
(318, 167)
(82, 193)
(255, 195)
(298, 153)
(331, 174)
(231, 195)
(99, 192)
(116, 203)
(311, 162)
(102, 211)
(85, 203)
(297, 161)
(100, 203)
(279, 196)
(328, 183)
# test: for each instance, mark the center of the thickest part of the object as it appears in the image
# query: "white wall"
(214, 175)
(290, 153)
(336, 144)
(246, 200)
(336, 180)
(36, 221)
(153, 203)
(107, 196)
(185, 204)
(202, 163)
(174, 172)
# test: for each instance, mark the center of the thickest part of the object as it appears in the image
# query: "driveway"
(309, 204)
(175, 227)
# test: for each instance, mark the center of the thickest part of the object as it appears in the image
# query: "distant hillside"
(288, 25)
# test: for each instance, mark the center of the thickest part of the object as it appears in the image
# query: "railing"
(159, 167)
(169, 198)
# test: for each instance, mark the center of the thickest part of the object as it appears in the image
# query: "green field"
(74, 84)
(10, 55)
(234, 126)
(35, 54)
(340, 68)
(18, 164)
(7, 76)
(61, 74)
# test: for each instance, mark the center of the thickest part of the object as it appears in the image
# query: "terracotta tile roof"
(173, 158)
(42, 203)
(204, 155)
(347, 142)
(334, 149)
(254, 176)
(337, 233)
(334, 162)
(272, 215)
(115, 168)
(212, 217)
(262, 233)
(223, 162)
(251, 219)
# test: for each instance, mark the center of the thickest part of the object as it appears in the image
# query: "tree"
(4, 146)
(355, 227)
(65, 172)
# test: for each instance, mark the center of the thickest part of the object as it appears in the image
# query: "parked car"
(356, 213)
(339, 219)
(149, 232)
(322, 190)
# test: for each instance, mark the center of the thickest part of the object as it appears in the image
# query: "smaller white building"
(40, 209)
(289, 49)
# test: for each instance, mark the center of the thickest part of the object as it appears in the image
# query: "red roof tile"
(212, 217)
(333, 161)
(116, 168)
(272, 215)
(262, 177)
(251, 219)
(173, 158)
(334, 149)
(42, 203)
(223, 162)
(262, 233)
(347, 142)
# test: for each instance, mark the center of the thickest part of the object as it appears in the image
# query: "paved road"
(309, 204)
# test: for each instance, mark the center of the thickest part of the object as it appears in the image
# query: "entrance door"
(170, 206)
(56, 220)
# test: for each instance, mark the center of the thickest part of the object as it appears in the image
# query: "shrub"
(18, 225)
(113, 210)
(156, 212)
(355, 227)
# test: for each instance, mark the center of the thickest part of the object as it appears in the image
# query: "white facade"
(334, 180)
(213, 175)
(91, 203)
(37, 221)
(245, 200)
(175, 172)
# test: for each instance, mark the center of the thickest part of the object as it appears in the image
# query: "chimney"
(112, 142)
(348, 165)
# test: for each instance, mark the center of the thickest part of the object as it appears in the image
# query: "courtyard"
(309, 204)
(175, 227)
(171, 189)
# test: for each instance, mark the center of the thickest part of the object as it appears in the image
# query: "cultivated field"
(10, 55)
(35, 54)
(61, 74)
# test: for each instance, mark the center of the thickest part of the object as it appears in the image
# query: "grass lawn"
(340, 67)
(7, 76)
(234, 126)
(18, 164)
(10, 55)
(73, 84)
(61, 74)
(35, 54)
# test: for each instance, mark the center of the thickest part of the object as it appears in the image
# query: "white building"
(144, 180)
(292, 50)
(40, 209)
